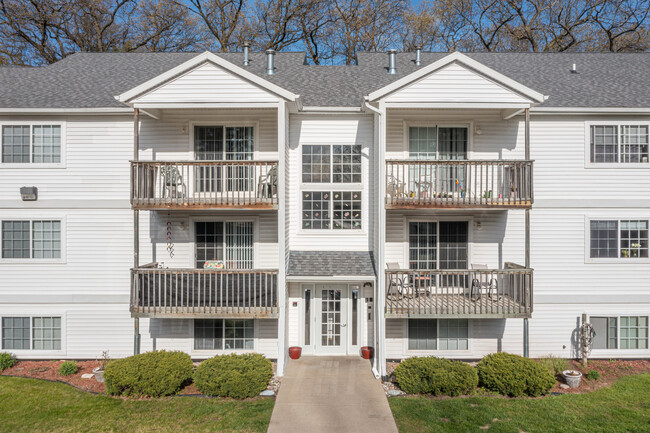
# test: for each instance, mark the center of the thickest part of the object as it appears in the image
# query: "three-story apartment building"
(217, 203)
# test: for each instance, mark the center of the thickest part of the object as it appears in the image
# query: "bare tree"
(624, 24)
(225, 20)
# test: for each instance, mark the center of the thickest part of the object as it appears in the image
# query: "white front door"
(331, 319)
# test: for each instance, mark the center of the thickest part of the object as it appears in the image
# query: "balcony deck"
(464, 293)
(159, 185)
(207, 293)
(416, 184)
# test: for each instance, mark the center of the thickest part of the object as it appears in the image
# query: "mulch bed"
(49, 370)
(610, 371)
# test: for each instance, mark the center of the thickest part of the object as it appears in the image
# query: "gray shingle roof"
(331, 263)
(87, 80)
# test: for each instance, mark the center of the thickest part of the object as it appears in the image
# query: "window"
(438, 334)
(232, 242)
(331, 163)
(35, 333)
(345, 210)
(619, 143)
(432, 143)
(438, 245)
(31, 239)
(218, 334)
(633, 332)
(623, 239)
(31, 144)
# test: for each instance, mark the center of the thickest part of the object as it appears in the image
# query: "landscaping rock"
(87, 376)
(267, 393)
(395, 392)
(564, 386)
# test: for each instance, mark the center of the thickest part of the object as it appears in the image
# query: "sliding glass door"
(230, 242)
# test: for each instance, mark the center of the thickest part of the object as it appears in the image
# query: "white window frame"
(437, 220)
(612, 165)
(407, 124)
(225, 219)
(603, 352)
(31, 219)
(210, 353)
(35, 165)
(29, 353)
(224, 125)
(408, 352)
(618, 219)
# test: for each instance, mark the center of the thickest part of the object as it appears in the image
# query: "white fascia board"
(463, 105)
(466, 61)
(319, 278)
(316, 109)
(589, 110)
(98, 110)
(196, 61)
(226, 104)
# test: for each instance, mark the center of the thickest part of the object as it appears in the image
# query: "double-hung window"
(624, 239)
(31, 239)
(229, 241)
(624, 332)
(25, 144)
(31, 333)
(224, 334)
(438, 334)
(619, 143)
(331, 175)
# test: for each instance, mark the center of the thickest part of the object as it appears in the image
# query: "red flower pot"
(367, 352)
(294, 352)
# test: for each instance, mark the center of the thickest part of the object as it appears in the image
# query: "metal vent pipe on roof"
(392, 60)
(270, 62)
(247, 46)
(418, 55)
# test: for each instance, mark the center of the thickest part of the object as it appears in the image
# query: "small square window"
(422, 334)
(15, 240)
(46, 333)
(208, 334)
(316, 210)
(15, 333)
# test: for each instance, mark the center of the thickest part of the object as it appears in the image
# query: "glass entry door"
(332, 319)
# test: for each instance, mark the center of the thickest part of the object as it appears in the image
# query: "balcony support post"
(527, 241)
(136, 226)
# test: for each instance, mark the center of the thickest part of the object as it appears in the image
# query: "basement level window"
(624, 332)
(438, 334)
(224, 334)
(31, 333)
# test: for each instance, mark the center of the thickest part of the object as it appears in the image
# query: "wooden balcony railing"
(414, 184)
(460, 293)
(204, 184)
(157, 292)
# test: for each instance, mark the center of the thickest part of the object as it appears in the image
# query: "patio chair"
(399, 283)
(268, 183)
(173, 181)
(395, 188)
(480, 285)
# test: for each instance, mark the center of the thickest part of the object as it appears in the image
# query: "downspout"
(136, 228)
(527, 239)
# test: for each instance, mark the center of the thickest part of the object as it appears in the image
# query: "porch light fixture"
(29, 193)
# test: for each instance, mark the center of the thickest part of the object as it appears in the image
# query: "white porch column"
(380, 297)
(283, 129)
(136, 226)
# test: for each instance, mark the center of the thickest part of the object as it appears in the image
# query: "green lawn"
(28, 405)
(625, 407)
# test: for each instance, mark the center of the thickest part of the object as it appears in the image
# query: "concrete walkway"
(331, 394)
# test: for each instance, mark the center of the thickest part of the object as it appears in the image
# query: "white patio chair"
(399, 283)
(480, 285)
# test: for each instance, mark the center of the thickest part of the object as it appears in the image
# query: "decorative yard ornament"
(170, 243)
(587, 335)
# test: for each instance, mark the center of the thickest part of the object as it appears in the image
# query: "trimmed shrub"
(514, 375)
(236, 376)
(593, 375)
(437, 376)
(152, 374)
(68, 368)
(554, 365)
(7, 360)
